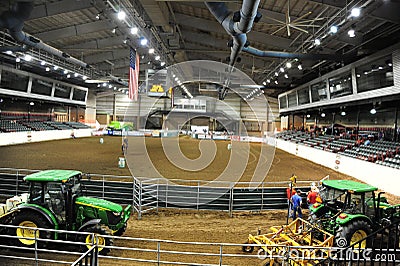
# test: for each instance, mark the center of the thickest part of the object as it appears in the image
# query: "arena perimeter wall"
(383, 177)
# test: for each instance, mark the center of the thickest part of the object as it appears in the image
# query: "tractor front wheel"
(248, 249)
(96, 235)
(353, 232)
(27, 237)
(120, 231)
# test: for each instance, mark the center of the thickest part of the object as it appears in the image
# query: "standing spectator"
(312, 198)
(296, 205)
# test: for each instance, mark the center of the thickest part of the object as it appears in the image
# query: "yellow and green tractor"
(351, 211)
(56, 201)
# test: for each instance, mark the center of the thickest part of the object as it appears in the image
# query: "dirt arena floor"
(90, 156)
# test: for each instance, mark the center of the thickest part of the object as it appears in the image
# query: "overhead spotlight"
(47, 69)
(157, 57)
(143, 41)
(151, 51)
(98, 16)
(343, 113)
(76, 75)
(65, 71)
(98, 85)
(109, 86)
(276, 74)
(68, 76)
(27, 57)
(84, 77)
(373, 111)
(355, 12)
(317, 42)
(308, 116)
(162, 64)
(17, 59)
(104, 84)
(9, 52)
(149, 63)
(115, 88)
(55, 67)
(281, 69)
(322, 114)
(300, 67)
(268, 81)
(134, 30)
(265, 83)
(121, 15)
(114, 30)
(288, 65)
(351, 33)
(43, 63)
(176, 79)
(333, 29)
(276, 82)
(125, 41)
(286, 76)
(31, 103)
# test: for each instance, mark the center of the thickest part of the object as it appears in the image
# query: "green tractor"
(351, 211)
(55, 201)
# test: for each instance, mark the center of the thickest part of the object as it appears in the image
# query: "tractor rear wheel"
(353, 232)
(26, 237)
(98, 234)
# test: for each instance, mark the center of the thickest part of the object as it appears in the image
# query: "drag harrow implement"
(296, 243)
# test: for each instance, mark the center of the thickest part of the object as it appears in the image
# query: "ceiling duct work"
(235, 26)
(276, 54)
(13, 21)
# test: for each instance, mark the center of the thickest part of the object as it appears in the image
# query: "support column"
(395, 135)
(114, 108)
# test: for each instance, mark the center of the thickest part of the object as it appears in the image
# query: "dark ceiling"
(90, 31)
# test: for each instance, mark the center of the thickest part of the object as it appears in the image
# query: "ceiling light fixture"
(276, 82)
(17, 59)
(151, 51)
(333, 29)
(343, 113)
(322, 114)
(55, 67)
(134, 30)
(308, 116)
(162, 64)
(98, 16)
(27, 57)
(84, 77)
(286, 76)
(68, 76)
(143, 41)
(76, 75)
(121, 15)
(300, 67)
(276, 74)
(47, 69)
(288, 65)
(65, 71)
(157, 57)
(9, 52)
(113, 30)
(125, 41)
(264, 83)
(373, 111)
(268, 81)
(317, 42)
(351, 33)
(43, 63)
(355, 12)
(282, 69)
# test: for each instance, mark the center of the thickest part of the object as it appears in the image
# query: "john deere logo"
(156, 88)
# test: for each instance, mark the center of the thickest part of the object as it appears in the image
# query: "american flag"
(133, 75)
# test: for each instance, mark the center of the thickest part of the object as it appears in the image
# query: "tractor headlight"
(117, 213)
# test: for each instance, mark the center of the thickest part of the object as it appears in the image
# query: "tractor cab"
(55, 190)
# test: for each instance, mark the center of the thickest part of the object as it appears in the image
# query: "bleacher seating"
(58, 125)
(76, 125)
(382, 152)
(12, 126)
(37, 125)
(22, 125)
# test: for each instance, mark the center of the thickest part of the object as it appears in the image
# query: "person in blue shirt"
(296, 204)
